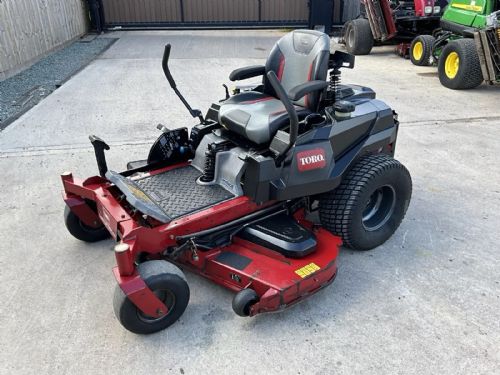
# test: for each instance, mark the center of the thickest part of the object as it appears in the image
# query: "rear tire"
(459, 67)
(81, 231)
(358, 37)
(370, 203)
(421, 50)
(168, 283)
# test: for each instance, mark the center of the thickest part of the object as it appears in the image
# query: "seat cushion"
(255, 116)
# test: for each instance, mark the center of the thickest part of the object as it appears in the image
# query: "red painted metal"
(165, 169)
(420, 7)
(274, 278)
(267, 98)
(309, 76)
(81, 209)
(311, 159)
(124, 259)
(270, 274)
(281, 68)
(389, 19)
(403, 50)
(384, 20)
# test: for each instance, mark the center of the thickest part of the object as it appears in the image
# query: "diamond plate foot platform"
(170, 194)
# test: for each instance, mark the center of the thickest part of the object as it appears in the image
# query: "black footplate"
(171, 194)
(282, 234)
(136, 164)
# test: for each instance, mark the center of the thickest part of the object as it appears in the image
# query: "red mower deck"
(278, 281)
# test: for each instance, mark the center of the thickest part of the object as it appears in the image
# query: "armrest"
(247, 72)
(303, 89)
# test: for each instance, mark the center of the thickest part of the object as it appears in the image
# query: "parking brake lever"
(99, 147)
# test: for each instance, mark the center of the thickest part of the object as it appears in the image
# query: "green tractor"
(467, 46)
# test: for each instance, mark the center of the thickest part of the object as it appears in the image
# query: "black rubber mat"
(240, 262)
(177, 193)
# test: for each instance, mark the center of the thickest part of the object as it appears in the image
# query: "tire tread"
(337, 206)
(73, 225)
(427, 42)
(364, 38)
(470, 74)
(152, 272)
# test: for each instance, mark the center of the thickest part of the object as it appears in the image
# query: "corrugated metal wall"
(204, 12)
(275, 10)
(131, 11)
(220, 10)
(31, 28)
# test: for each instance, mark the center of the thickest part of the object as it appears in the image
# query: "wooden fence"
(29, 29)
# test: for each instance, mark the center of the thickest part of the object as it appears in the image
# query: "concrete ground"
(426, 302)
(21, 92)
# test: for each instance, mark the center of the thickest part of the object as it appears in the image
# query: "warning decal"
(307, 270)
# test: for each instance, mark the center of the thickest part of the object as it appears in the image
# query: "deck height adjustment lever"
(99, 147)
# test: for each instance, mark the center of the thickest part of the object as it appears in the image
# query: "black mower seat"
(256, 116)
(297, 58)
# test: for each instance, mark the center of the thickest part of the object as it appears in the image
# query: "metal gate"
(205, 13)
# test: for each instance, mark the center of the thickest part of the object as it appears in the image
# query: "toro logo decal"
(311, 159)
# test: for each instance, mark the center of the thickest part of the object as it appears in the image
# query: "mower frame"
(135, 239)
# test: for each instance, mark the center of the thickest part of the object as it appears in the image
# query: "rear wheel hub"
(418, 50)
(379, 208)
(452, 65)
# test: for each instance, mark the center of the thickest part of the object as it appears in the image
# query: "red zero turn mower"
(234, 200)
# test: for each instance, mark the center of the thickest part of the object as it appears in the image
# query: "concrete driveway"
(426, 302)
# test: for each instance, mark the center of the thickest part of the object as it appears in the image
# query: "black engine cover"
(283, 234)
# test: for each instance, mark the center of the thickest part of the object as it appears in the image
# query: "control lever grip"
(99, 147)
(166, 70)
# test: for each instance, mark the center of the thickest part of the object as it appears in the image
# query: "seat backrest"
(296, 58)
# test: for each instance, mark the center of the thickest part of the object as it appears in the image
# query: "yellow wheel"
(418, 50)
(459, 67)
(451, 65)
(421, 50)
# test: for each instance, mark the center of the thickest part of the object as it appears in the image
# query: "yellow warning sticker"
(307, 270)
(472, 6)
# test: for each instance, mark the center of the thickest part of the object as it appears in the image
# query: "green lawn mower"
(466, 48)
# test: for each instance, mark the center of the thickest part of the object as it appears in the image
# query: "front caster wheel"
(243, 300)
(81, 231)
(168, 283)
(370, 203)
